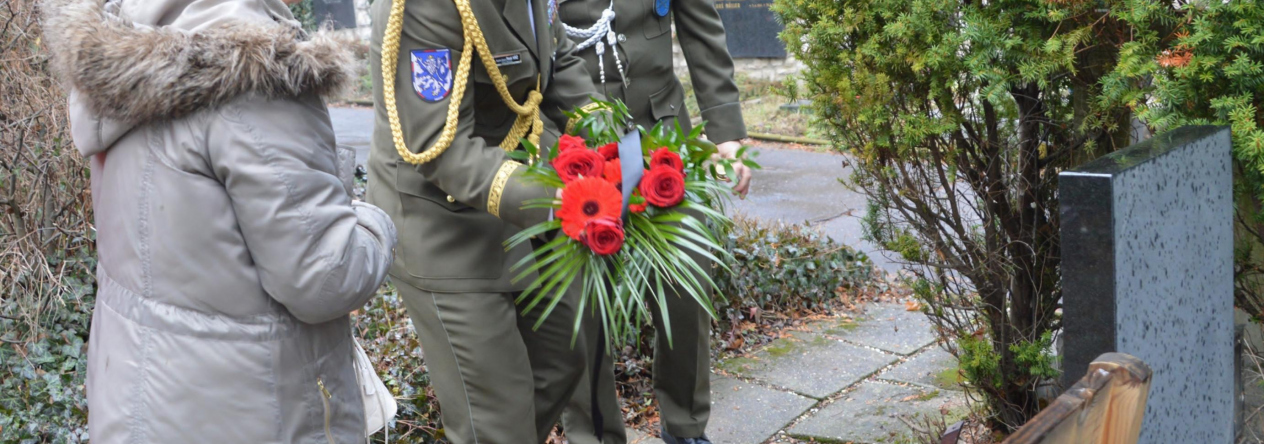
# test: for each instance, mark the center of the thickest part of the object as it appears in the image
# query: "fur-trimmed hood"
(133, 61)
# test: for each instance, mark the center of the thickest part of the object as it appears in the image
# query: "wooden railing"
(1104, 407)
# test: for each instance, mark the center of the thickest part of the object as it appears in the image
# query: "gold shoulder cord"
(528, 113)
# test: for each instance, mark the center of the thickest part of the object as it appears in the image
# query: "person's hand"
(728, 150)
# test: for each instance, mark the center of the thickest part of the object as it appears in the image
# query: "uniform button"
(451, 199)
(622, 38)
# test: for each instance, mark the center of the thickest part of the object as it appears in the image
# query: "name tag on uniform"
(508, 59)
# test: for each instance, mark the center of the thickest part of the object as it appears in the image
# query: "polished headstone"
(1147, 257)
(751, 29)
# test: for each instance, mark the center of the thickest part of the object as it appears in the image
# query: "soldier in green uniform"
(627, 45)
(458, 83)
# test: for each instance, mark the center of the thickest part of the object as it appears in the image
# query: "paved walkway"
(838, 380)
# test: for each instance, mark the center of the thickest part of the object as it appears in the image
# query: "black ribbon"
(632, 164)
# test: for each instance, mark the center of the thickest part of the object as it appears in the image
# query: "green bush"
(386, 333)
(303, 13)
(1203, 64)
(47, 257)
(42, 395)
(783, 267)
(959, 116)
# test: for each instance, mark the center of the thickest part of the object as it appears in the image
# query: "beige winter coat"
(230, 250)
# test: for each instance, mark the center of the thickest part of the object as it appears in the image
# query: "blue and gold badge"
(662, 7)
(432, 73)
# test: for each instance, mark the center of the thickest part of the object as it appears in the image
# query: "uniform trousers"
(498, 380)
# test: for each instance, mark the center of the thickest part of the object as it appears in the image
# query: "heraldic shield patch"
(432, 73)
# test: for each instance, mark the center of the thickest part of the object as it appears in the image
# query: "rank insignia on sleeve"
(662, 7)
(432, 73)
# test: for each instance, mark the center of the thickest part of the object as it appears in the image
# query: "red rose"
(613, 173)
(667, 158)
(610, 151)
(573, 164)
(568, 142)
(663, 187)
(603, 236)
(585, 200)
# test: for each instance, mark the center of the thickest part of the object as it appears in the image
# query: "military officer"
(627, 45)
(457, 84)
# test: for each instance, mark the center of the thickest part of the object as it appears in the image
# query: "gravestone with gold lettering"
(751, 29)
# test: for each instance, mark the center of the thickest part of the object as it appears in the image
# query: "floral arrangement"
(624, 261)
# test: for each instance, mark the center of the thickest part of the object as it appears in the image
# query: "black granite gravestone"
(340, 14)
(751, 29)
(1147, 269)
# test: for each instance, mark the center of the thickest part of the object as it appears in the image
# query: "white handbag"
(379, 404)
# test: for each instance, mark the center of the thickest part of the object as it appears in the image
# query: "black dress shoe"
(667, 438)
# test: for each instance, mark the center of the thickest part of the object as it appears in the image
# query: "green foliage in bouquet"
(671, 215)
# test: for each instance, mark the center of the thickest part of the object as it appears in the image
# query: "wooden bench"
(1104, 407)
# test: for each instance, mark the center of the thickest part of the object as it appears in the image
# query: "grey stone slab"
(870, 414)
(889, 327)
(932, 368)
(818, 367)
(638, 437)
(743, 413)
(1147, 243)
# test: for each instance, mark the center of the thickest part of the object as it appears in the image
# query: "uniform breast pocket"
(517, 68)
(656, 26)
(578, 13)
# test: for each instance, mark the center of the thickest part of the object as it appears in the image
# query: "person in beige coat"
(231, 251)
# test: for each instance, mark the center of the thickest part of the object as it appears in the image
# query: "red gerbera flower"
(667, 158)
(585, 200)
(609, 150)
(568, 142)
(614, 173)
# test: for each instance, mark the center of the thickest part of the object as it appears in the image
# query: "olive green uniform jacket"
(450, 240)
(648, 85)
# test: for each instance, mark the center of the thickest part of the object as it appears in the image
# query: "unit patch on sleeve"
(432, 73)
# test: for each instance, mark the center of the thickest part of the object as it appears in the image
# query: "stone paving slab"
(744, 413)
(932, 368)
(870, 414)
(638, 437)
(818, 367)
(888, 327)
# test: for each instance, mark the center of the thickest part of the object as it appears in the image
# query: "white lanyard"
(592, 37)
